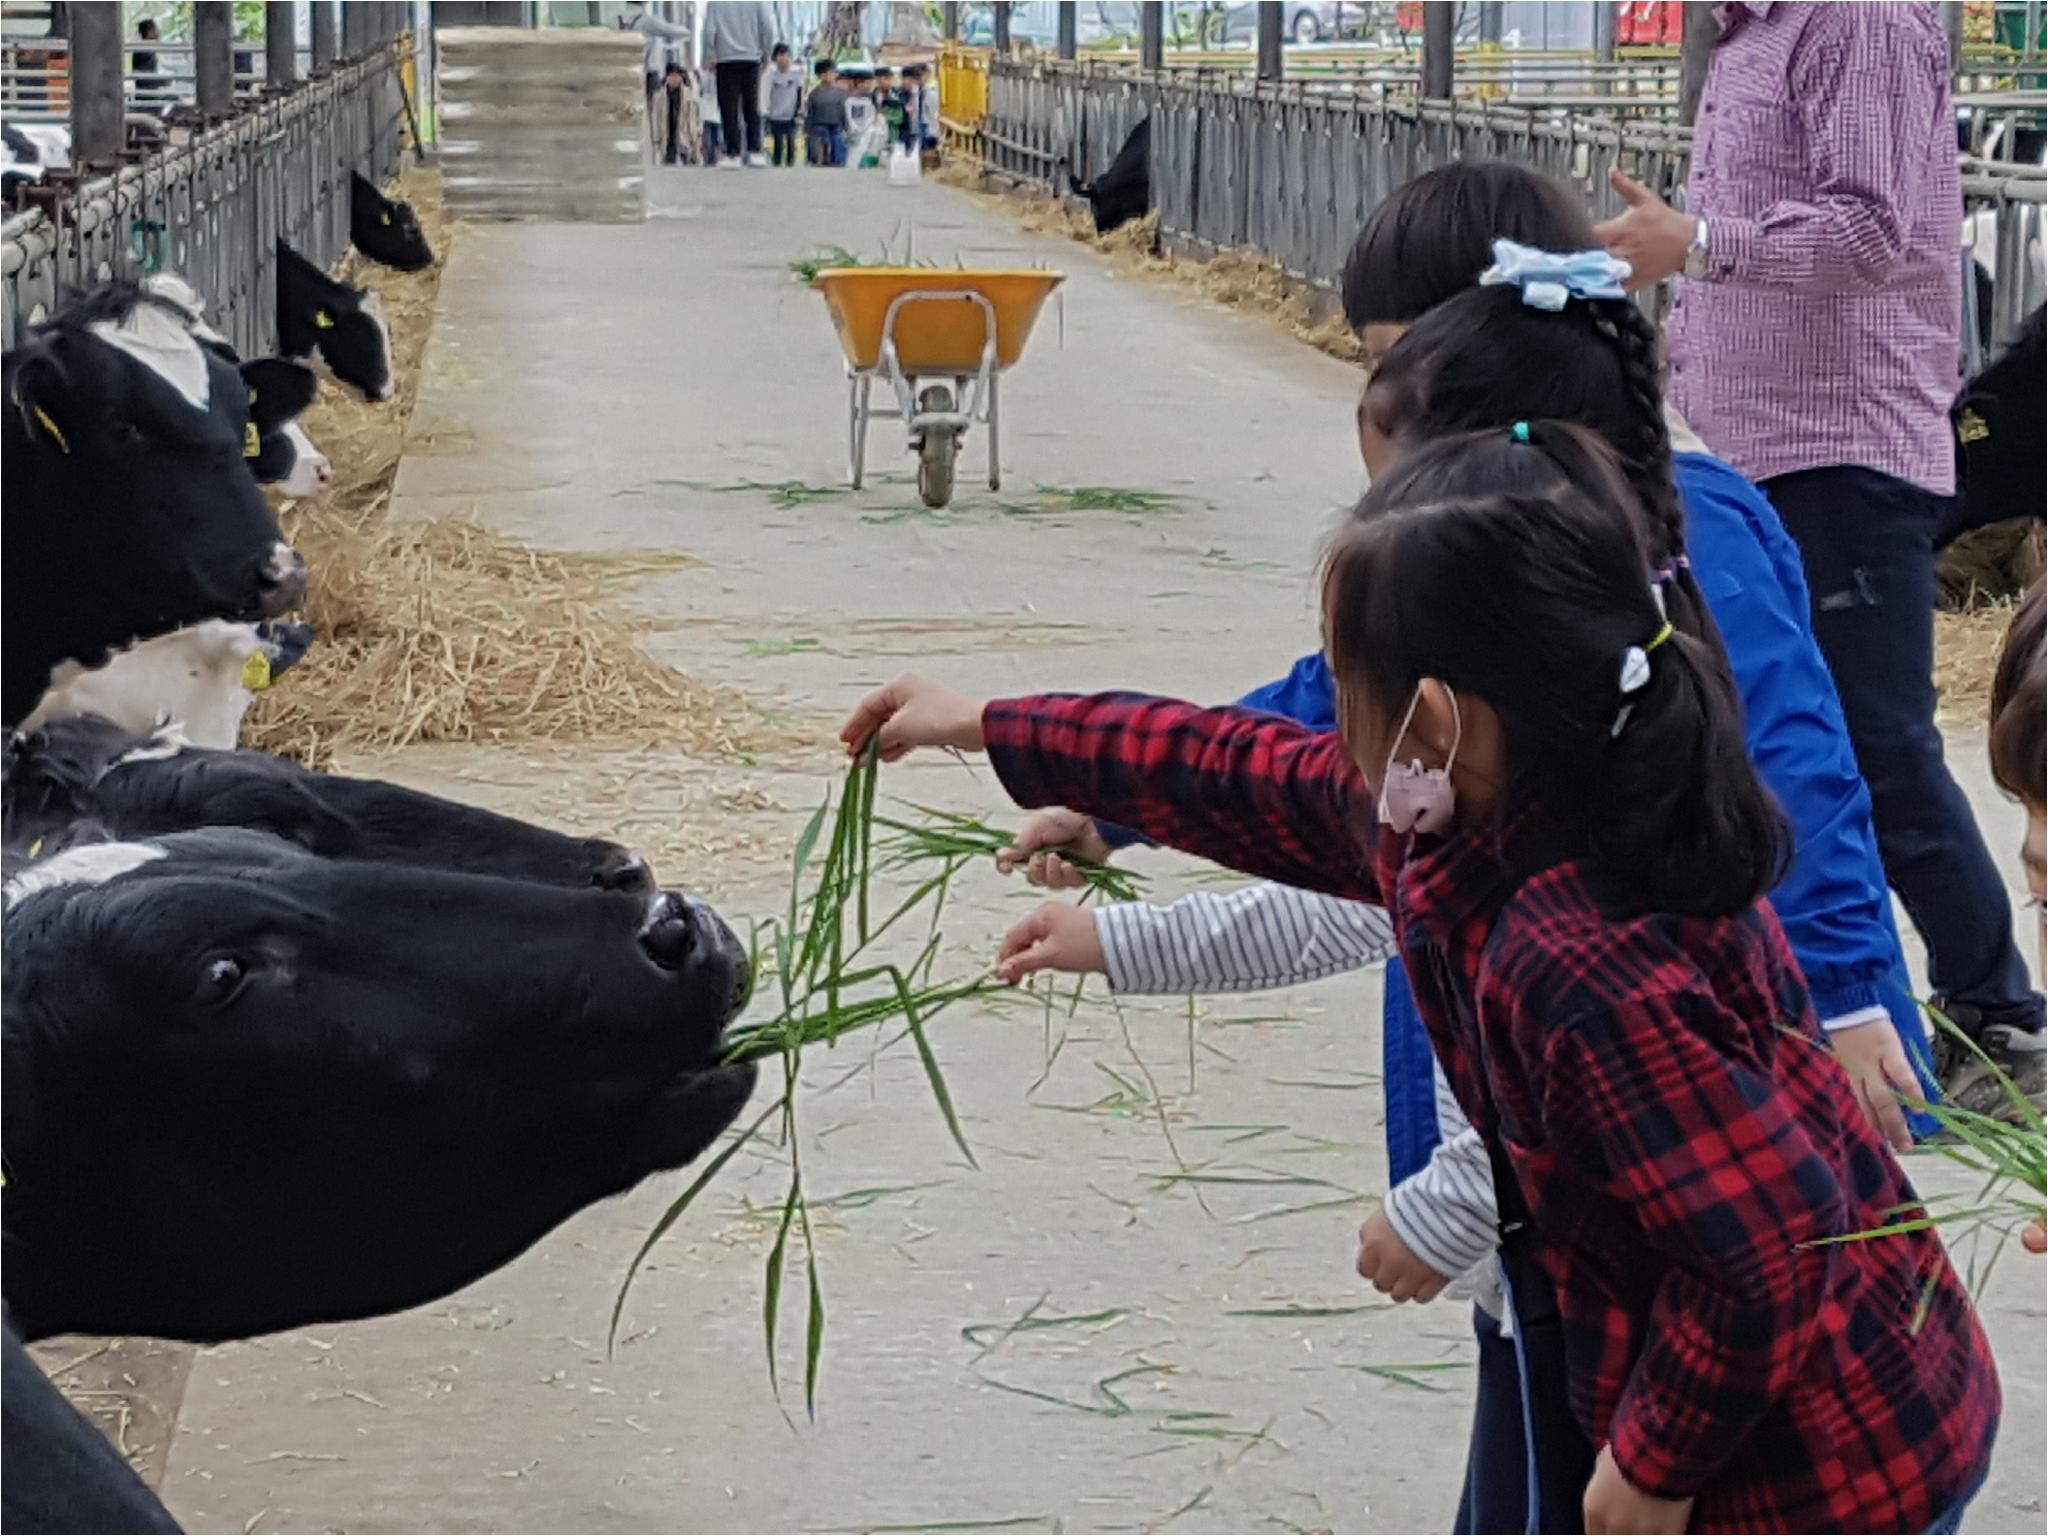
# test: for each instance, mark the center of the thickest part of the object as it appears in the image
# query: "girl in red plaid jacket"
(1547, 787)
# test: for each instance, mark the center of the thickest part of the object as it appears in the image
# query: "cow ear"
(40, 392)
(278, 392)
(372, 301)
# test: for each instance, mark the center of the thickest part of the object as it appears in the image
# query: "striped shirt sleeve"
(1444, 1212)
(1264, 935)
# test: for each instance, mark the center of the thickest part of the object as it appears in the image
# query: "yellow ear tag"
(50, 427)
(35, 849)
(252, 441)
(323, 320)
(386, 221)
(1971, 427)
(256, 671)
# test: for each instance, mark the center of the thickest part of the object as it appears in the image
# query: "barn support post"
(213, 56)
(324, 39)
(355, 28)
(1605, 26)
(1702, 31)
(1272, 25)
(1152, 36)
(96, 73)
(949, 20)
(280, 41)
(1952, 23)
(1069, 37)
(1002, 21)
(1439, 50)
(1490, 21)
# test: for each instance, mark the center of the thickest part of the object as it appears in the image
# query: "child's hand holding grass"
(913, 712)
(1043, 840)
(1059, 936)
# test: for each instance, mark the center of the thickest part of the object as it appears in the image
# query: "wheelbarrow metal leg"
(995, 437)
(857, 415)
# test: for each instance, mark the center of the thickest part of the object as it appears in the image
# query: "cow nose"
(670, 932)
(620, 869)
(323, 471)
(282, 577)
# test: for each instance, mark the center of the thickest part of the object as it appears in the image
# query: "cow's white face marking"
(168, 741)
(175, 291)
(310, 472)
(162, 343)
(92, 864)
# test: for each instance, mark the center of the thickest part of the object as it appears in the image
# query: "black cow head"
(129, 509)
(247, 1088)
(337, 329)
(2001, 426)
(137, 787)
(387, 232)
(285, 457)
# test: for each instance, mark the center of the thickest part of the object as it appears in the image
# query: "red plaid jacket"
(1682, 1137)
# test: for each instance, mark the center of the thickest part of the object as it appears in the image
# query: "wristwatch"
(1696, 253)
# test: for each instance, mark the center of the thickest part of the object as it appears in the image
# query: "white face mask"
(1414, 798)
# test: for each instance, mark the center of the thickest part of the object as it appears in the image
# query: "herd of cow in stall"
(280, 1047)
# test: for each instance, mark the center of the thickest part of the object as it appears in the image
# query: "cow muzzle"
(282, 578)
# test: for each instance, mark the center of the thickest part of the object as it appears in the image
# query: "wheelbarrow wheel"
(935, 468)
(936, 450)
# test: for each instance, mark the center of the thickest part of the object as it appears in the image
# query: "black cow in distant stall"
(385, 230)
(130, 508)
(333, 327)
(2001, 427)
(1124, 191)
(247, 1088)
(135, 786)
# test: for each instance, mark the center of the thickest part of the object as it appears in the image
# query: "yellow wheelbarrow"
(940, 339)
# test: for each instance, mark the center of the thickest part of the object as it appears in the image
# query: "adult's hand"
(1649, 234)
(1877, 1065)
(913, 712)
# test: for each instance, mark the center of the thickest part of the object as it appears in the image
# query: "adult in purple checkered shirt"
(1814, 344)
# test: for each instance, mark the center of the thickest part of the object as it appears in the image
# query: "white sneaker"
(729, 163)
(757, 160)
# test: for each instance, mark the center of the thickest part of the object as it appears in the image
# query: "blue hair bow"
(1549, 278)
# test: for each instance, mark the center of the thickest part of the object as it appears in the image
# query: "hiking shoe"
(1968, 1080)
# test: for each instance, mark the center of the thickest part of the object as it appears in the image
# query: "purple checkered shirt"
(1826, 330)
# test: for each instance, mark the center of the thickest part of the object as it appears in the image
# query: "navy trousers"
(1868, 543)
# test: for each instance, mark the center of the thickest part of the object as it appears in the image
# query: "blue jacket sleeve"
(1833, 902)
(1305, 694)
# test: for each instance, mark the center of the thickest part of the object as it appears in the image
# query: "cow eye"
(222, 979)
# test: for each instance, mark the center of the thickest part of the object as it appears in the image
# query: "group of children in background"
(1568, 730)
(850, 115)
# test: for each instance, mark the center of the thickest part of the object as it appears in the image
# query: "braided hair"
(1484, 360)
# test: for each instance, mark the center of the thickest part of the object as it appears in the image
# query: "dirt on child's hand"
(1059, 936)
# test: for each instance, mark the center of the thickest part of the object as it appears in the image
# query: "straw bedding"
(444, 630)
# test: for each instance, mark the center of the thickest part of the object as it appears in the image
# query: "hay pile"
(444, 630)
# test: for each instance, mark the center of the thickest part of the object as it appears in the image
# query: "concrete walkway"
(614, 387)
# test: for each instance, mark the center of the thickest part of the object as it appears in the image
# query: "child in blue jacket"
(1487, 360)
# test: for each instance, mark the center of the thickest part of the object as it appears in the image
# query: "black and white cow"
(130, 510)
(248, 1088)
(200, 680)
(331, 326)
(2001, 427)
(385, 230)
(1124, 191)
(139, 785)
(62, 1473)
(285, 457)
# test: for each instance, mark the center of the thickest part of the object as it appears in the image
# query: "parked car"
(1305, 24)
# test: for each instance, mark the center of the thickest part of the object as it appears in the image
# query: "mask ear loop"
(1408, 719)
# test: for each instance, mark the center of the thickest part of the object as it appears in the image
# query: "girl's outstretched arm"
(1247, 790)
(1263, 936)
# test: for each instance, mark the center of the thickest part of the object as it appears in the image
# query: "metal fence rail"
(211, 210)
(1293, 170)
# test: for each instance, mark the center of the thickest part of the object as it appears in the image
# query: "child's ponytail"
(1622, 727)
